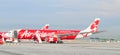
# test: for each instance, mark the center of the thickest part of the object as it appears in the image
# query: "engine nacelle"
(51, 39)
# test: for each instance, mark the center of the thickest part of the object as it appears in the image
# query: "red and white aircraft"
(53, 36)
(6, 36)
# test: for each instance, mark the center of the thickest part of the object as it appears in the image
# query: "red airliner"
(53, 36)
(7, 36)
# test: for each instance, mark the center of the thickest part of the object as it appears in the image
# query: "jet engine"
(51, 39)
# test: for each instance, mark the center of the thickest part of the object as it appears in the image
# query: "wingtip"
(47, 24)
(97, 18)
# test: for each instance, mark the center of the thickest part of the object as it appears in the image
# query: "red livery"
(52, 36)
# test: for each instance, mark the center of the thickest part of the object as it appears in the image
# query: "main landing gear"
(59, 42)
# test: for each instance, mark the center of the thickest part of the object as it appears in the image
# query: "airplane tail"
(93, 28)
(45, 27)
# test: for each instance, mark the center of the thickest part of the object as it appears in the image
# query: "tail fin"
(45, 27)
(93, 26)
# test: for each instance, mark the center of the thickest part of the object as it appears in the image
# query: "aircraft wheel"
(59, 42)
(52, 42)
(19, 41)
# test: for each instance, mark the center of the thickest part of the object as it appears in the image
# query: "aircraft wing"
(69, 34)
(75, 34)
(92, 32)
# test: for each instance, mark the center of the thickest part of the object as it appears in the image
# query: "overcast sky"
(71, 13)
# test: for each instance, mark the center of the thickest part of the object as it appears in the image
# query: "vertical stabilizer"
(45, 27)
(93, 27)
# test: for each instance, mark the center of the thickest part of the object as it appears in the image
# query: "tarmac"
(67, 48)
